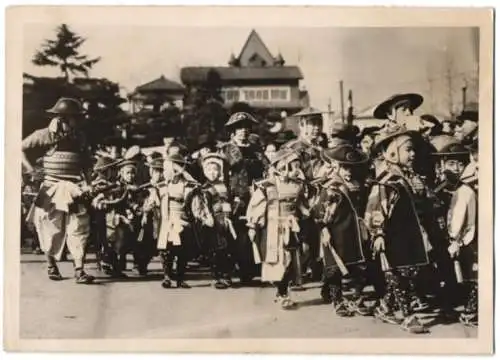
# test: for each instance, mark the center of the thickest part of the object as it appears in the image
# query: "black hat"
(66, 106)
(470, 112)
(430, 119)
(369, 131)
(284, 137)
(343, 130)
(241, 119)
(413, 101)
(155, 160)
(345, 154)
(176, 158)
(448, 145)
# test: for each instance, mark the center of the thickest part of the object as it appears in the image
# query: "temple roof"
(160, 84)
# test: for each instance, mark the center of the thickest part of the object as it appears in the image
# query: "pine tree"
(64, 53)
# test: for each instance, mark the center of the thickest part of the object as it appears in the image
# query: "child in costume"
(393, 216)
(211, 206)
(339, 203)
(145, 248)
(102, 181)
(124, 218)
(174, 227)
(275, 208)
(451, 160)
(462, 230)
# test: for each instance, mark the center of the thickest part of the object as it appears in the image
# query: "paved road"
(140, 308)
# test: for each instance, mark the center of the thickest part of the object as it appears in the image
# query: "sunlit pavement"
(141, 308)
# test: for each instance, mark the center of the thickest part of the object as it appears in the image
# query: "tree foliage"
(204, 112)
(63, 52)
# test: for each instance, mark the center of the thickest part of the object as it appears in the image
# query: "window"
(279, 94)
(249, 95)
(231, 95)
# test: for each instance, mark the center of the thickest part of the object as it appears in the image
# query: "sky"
(374, 63)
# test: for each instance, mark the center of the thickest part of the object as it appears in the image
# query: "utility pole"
(342, 100)
(464, 96)
(449, 83)
(431, 86)
(329, 115)
(350, 115)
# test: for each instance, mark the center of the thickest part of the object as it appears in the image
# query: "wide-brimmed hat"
(284, 137)
(447, 145)
(369, 131)
(344, 154)
(411, 100)
(343, 130)
(470, 112)
(67, 106)
(155, 160)
(390, 132)
(176, 158)
(241, 119)
(103, 163)
(431, 119)
(309, 112)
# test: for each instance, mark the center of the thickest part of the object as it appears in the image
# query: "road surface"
(141, 308)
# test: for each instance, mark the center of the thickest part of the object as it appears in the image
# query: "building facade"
(255, 77)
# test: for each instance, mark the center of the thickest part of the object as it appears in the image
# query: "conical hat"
(390, 132)
(413, 101)
(447, 145)
(345, 154)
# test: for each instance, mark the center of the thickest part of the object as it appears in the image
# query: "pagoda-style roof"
(159, 85)
(190, 75)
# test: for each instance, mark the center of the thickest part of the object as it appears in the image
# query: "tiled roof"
(190, 75)
(160, 84)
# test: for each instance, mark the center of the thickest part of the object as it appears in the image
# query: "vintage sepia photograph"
(231, 180)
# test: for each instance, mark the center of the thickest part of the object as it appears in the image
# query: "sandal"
(359, 307)
(54, 273)
(83, 278)
(220, 285)
(386, 316)
(342, 309)
(413, 325)
(183, 285)
(166, 283)
(285, 302)
(469, 320)
(419, 305)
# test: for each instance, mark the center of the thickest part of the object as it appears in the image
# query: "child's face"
(128, 174)
(366, 144)
(407, 154)
(294, 169)
(155, 175)
(212, 171)
(345, 172)
(453, 166)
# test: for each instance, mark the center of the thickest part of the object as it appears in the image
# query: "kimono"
(246, 166)
(462, 228)
(173, 233)
(124, 222)
(211, 206)
(338, 210)
(392, 213)
(274, 211)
